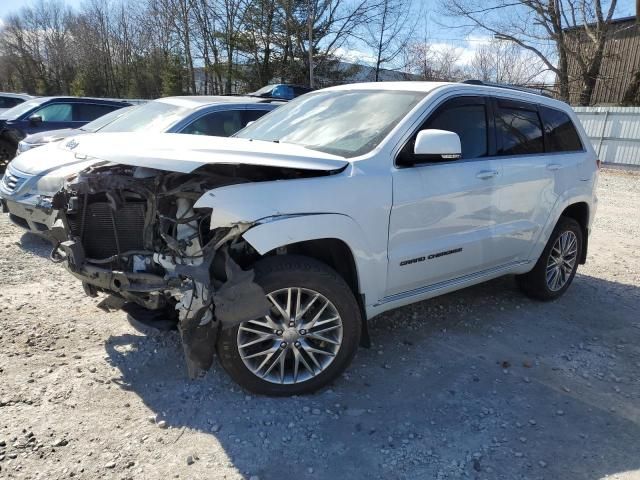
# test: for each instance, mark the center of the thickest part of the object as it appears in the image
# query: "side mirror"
(437, 145)
(35, 119)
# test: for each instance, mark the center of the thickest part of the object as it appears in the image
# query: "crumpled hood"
(53, 135)
(185, 153)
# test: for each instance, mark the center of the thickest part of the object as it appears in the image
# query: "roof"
(613, 21)
(24, 96)
(408, 86)
(194, 101)
(426, 87)
(71, 98)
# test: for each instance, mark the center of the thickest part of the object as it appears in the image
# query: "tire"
(303, 277)
(539, 283)
(7, 152)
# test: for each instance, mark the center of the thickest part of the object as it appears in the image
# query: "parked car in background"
(29, 178)
(281, 90)
(274, 247)
(10, 100)
(42, 138)
(48, 113)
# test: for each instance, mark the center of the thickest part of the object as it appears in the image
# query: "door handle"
(486, 174)
(554, 166)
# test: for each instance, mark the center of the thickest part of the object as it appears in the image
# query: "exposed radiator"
(107, 232)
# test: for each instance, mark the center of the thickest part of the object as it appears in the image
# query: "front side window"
(470, 123)
(519, 131)
(560, 133)
(56, 112)
(341, 122)
(218, 124)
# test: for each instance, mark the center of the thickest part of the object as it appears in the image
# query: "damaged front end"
(134, 234)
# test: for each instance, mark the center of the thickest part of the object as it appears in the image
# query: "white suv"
(276, 247)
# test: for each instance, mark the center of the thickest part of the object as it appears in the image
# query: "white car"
(29, 178)
(276, 247)
(10, 100)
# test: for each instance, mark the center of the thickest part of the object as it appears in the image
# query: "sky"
(436, 28)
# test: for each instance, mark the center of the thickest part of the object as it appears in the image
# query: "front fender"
(277, 213)
(281, 231)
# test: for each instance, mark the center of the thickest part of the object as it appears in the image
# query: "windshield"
(100, 122)
(154, 117)
(346, 123)
(19, 110)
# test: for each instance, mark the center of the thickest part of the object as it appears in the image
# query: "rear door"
(443, 213)
(527, 187)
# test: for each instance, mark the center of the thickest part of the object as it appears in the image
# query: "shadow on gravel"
(483, 383)
(36, 245)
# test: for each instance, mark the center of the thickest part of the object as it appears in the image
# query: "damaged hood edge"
(185, 153)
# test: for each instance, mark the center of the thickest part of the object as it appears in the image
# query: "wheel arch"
(579, 211)
(333, 239)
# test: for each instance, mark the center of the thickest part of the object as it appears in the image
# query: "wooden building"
(621, 61)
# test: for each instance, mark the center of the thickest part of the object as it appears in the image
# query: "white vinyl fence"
(614, 133)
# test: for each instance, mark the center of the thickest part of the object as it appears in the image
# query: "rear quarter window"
(560, 132)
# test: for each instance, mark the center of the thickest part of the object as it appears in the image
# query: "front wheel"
(556, 267)
(308, 338)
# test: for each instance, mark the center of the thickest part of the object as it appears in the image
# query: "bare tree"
(389, 29)
(553, 30)
(505, 62)
(434, 63)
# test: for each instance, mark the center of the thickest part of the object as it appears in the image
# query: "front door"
(444, 213)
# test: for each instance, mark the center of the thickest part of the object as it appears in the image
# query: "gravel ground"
(482, 383)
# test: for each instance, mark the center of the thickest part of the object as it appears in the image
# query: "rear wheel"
(308, 338)
(556, 267)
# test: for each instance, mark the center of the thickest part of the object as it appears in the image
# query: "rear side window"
(10, 102)
(86, 112)
(253, 115)
(560, 133)
(219, 124)
(519, 130)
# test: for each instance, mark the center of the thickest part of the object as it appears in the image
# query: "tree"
(433, 63)
(555, 31)
(505, 62)
(389, 29)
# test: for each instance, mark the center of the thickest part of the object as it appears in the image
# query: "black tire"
(534, 283)
(7, 152)
(287, 271)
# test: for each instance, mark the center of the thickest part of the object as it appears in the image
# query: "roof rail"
(505, 85)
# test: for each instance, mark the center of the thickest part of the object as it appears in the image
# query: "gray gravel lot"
(482, 383)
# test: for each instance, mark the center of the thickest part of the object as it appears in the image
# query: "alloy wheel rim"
(562, 260)
(296, 341)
